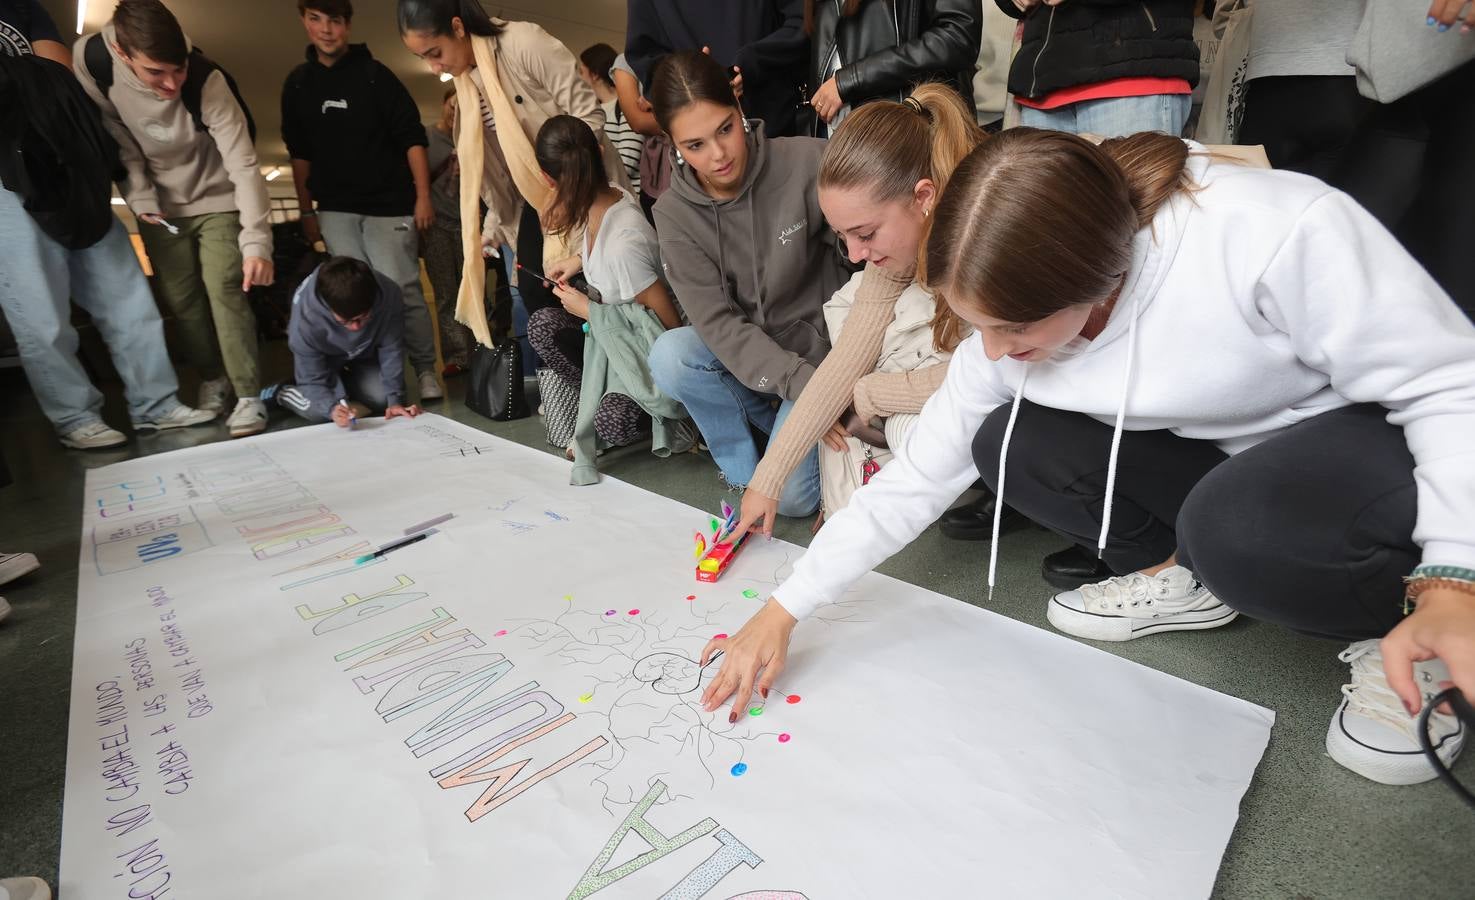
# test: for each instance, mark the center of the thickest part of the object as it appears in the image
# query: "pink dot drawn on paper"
(610, 612)
(634, 612)
(691, 596)
(501, 633)
(718, 637)
(785, 738)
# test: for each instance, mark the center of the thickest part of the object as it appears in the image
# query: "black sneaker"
(975, 521)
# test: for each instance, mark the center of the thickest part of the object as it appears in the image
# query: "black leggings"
(1312, 529)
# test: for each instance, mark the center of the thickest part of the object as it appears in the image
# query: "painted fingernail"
(732, 719)
(764, 693)
(1429, 21)
(1443, 28)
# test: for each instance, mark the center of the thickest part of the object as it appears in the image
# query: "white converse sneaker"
(214, 395)
(1132, 606)
(429, 387)
(180, 416)
(14, 565)
(249, 417)
(94, 436)
(1374, 736)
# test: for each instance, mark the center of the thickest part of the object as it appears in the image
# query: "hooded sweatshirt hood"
(753, 272)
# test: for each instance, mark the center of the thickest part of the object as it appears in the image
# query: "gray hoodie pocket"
(804, 339)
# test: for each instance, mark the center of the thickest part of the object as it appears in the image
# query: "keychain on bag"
(868, 468)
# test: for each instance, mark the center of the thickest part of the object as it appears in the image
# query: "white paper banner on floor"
(508, 707)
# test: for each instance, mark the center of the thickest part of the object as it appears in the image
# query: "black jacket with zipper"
(1084, 42)
(889, 46)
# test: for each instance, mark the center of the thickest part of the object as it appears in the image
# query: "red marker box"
(716, 561)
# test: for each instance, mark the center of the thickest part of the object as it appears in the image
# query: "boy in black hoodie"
(358, 151)
(347, 339)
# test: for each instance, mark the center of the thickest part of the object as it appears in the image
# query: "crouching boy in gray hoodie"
(347, 337)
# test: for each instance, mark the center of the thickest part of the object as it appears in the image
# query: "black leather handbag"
(494, 383)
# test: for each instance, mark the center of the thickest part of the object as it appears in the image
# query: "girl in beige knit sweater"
(873, 372)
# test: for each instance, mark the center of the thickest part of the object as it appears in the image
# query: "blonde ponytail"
(885, 148)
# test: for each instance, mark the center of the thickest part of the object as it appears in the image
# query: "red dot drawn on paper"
(634, 612)
(784, 738)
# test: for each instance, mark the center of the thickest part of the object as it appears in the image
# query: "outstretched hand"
(756, 508)
(753, 658)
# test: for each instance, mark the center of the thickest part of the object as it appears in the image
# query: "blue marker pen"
(352, 419)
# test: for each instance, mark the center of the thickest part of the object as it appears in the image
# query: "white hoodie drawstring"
(993, 550)
(1116, 434)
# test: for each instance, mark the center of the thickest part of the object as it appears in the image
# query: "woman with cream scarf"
(534, 77)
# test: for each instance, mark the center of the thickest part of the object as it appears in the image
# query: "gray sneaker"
(15, 565)
(93, 436)
(180, 416)
(28, 888)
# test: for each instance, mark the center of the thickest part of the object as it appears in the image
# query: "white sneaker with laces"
(180, 416)
(94, 436)
(214, 395)
(249, 417)
(14, 565)
(1132, 606)
(430, 387)
(1374, 736)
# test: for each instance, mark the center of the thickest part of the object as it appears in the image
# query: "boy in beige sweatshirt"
(196, 188)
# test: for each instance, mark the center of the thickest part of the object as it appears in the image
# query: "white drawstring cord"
(993, 549)
(1116, 434)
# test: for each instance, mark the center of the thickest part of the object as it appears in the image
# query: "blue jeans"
(724, 409)
(39, 279)
(1115, 116)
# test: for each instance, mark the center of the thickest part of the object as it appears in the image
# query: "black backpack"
(54, 151)
(100, 66)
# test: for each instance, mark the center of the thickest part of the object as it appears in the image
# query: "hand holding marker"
(352, 419)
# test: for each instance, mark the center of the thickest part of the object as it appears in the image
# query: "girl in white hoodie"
(1233, 382)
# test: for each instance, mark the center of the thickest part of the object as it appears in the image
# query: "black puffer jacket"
(892, 45)
(1088, 41)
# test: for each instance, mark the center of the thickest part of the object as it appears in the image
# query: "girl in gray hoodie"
(748, 254)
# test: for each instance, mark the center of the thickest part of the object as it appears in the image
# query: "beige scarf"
(523, 164)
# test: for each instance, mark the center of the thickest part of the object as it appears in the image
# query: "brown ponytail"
(569, 153)
(886, 148)
(1156, 166)
(1037, 221)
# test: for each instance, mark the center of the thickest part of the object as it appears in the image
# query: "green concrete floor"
(1308, 828)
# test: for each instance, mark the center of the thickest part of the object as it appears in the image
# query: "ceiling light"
(81, 15)
(117, 201)
(274, 174)
(444, 76)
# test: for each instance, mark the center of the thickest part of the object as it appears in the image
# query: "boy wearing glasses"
(347, 336)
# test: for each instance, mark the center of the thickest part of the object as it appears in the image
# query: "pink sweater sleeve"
(829, 392)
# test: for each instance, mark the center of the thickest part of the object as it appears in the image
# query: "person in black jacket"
(358, 152)
(1104, 67)
(763, 39)
(863, 50)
